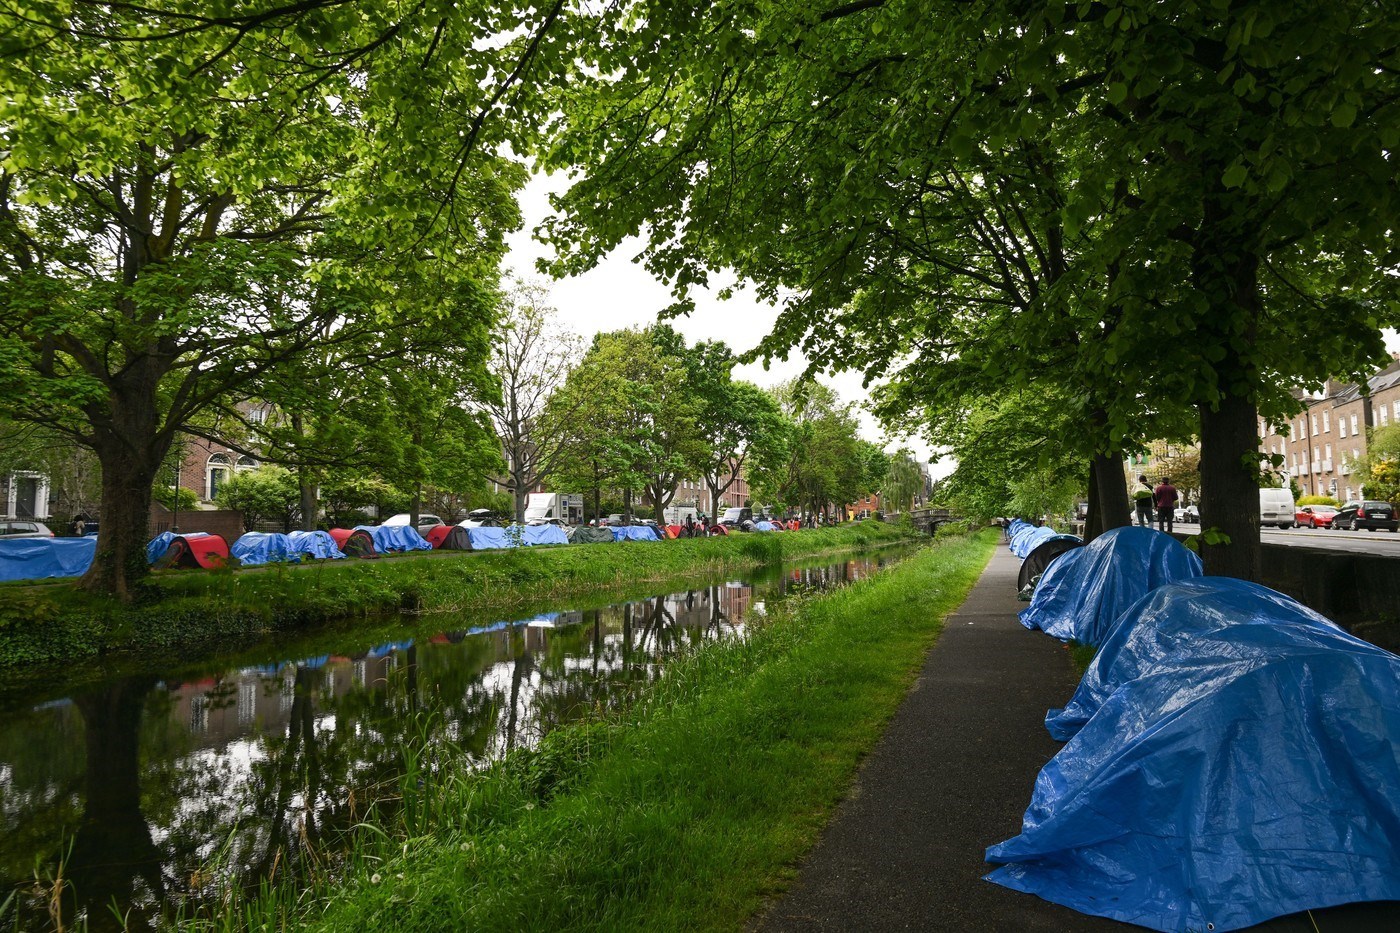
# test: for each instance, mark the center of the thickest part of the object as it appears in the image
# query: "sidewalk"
(952, 775)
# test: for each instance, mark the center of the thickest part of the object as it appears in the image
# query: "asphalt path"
(952, 775)
(1384, 543)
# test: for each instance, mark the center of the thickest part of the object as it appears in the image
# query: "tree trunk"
(1230, 488)
(1113, 491)
(627, 504)
(415, 506)
(519, 492)
(1093, 520)
(310, 501)
(128, 473)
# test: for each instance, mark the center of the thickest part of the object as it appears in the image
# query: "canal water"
(151, 788)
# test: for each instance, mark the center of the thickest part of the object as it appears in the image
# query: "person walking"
(1166, 498)
(1143, 498)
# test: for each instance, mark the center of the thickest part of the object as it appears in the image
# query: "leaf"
(1235, 175)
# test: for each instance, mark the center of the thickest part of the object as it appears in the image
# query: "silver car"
(23, 528)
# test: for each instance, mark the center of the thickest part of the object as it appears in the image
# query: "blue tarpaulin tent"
(389, 538)
(319, 544)
(1238, 762)
(490, 539)
(156, 549)
(1208, 620)
(40, 558)
(1085, 590)
(255, 548)
(634, 533)
(764, 526)
(544, 534)
(1027, 538)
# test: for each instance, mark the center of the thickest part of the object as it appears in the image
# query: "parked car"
(736, 517)
(613, 520)
(480, 518)
(24, 528)
(1187, 514)
(1314, 516)
(425, 522)
(1370, 514)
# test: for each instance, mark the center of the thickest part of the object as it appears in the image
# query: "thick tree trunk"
(627, 504)
(415, 505)
(1113, 491)
(520, 492)
(1230, 488)
(128, 473)
(1093, 521)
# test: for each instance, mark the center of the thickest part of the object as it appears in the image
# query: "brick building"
(1321, 446)
(208, 465)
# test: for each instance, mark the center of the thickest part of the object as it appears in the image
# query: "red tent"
(353, 543)
(208, 551)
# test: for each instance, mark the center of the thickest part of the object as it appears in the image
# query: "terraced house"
(1323, 444)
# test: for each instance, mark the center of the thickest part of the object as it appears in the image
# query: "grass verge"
(196, 610)
(684, 813)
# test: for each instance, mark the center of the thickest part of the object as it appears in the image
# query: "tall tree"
(1119, 203)
(531, 358)
(903, 482)
(189, 202)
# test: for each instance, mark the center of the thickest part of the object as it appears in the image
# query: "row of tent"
(1230, 755)
(42, 558)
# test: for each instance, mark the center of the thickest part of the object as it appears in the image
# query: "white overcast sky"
(619, 293)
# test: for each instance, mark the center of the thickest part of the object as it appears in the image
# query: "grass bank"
(684, 813)
(192, 610)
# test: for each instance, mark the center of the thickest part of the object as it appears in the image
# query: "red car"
(1314, 516)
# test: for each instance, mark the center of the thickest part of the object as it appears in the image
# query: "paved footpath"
(953, 775)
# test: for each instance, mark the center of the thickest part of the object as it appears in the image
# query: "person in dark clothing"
(1165, 497)
(1142, 498)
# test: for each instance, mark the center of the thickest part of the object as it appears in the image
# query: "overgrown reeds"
(682, 812)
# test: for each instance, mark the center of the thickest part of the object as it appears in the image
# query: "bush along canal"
(196, 610)
(180, 791)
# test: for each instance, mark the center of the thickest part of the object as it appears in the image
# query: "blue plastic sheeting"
(319, 544)
(40, 558)
(389, 538)
(1245, 771)
(763, 526)
(489, 539)
(380, 651)
(255, 548)
(1210, 620)
(544, 534)
(161, 543)
(1028, 538)
(634, 533)
(1085, 590)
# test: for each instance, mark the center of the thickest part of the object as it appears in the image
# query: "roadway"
(1384, 543)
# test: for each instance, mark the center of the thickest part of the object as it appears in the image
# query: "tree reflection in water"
(156, 789)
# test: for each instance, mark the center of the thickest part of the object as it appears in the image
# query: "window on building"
(1349, 495)
(1314, 423)
(1342, 426)
(216, 474)
(246, 463)
(1326, 422)
(1353, 425)
(1395, 409)
(1384, 415)
(1327, 452)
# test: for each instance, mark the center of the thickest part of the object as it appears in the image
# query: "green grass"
(189, 610)
(684, 813)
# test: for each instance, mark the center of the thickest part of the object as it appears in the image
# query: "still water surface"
(141, 789)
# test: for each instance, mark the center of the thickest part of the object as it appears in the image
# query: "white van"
(1276, 508)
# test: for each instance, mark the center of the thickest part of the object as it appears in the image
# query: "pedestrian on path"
(1166, 499)
(1142, 498)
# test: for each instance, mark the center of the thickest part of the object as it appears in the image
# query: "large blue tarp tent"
(764, 526)
(255, 547)
(1027, 538)
(490, 539)
(544, 534)
(1085, 590)
(388, 538)
(634, 533)
(319, 544)
(40, 558)
(1184, 626)
(1241, 767)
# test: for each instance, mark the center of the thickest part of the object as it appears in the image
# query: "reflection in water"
(148, 790)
